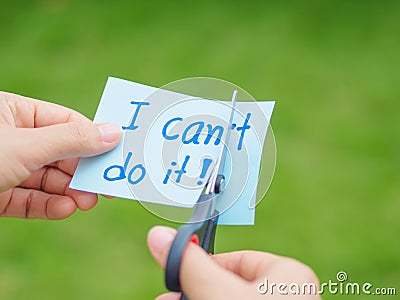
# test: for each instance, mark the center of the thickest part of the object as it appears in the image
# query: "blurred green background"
(332, 67)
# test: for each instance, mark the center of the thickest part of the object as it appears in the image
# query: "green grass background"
(332, 67)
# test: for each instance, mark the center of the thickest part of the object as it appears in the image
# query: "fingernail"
(159, 238)
(110, 132)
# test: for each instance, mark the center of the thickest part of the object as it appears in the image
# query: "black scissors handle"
(204, 226)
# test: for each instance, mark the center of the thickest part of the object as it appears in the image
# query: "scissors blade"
(219, 167)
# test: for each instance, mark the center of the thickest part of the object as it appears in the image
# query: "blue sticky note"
(170, 144)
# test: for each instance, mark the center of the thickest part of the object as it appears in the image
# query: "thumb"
(201, 277)
(61, 141)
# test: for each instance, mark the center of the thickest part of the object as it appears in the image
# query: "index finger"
(50, 114)
(28, 112)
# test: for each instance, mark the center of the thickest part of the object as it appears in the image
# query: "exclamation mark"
(206, 164)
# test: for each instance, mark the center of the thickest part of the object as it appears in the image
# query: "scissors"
(202, 225)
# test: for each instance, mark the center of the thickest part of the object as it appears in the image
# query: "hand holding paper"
(39, 143)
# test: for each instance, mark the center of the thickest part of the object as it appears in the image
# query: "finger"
(62, 141)
(249, 265)
(48, 113)
(66, 165)
(198, 270)
(54, 181)
(34, 204)
(255, 266)
(84, 200)
(169, 296)
(49, 180)
(30, 113)
(69, 166)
